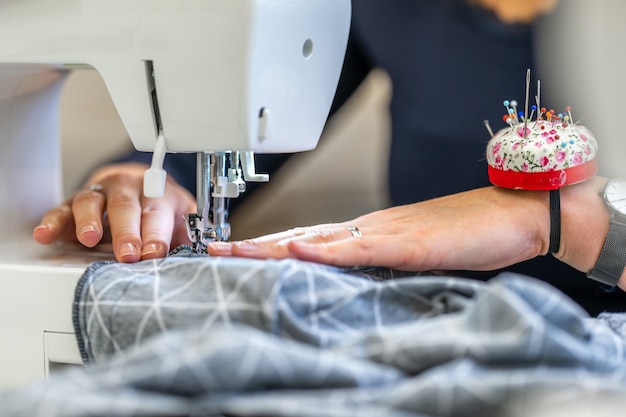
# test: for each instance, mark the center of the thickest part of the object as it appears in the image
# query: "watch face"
(615, 194)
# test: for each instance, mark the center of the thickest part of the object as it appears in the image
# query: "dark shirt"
(452, 65)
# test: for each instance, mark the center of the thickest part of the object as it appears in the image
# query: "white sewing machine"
(221, 78)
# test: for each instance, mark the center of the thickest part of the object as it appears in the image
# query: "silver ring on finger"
(355, 231)
(98, 188)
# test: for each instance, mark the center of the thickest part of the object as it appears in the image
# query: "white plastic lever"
(249, 170)
(154, 178)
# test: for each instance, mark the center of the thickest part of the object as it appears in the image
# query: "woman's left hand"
(482, 229)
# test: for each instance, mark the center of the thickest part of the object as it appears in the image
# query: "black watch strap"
(612, 260)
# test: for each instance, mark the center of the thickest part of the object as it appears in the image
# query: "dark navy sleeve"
(356, 67)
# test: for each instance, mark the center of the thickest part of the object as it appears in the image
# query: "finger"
(157, 225)
(54, 224)
(124, 215)
(361, 251)
(220, 248)
(397, 251)
(256, 250)
(88, 208)
(280, 236)
(269, 246)
(162, 225)
(279, 249)
(262, 243)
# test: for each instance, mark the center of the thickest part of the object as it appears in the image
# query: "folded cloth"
(121, 305)
(196, 335)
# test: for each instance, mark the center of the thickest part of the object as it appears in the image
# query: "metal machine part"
(219, 177)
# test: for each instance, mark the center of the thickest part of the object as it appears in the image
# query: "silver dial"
(615, 194)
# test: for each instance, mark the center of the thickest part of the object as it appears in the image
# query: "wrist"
(531, 211)
(584, 224)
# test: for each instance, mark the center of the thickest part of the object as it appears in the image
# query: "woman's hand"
(483, 229)
(111, 206)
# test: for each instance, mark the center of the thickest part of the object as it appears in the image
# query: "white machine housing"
(211, 75)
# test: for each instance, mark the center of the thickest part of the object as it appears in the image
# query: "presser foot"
(200, 235)
(199, 247)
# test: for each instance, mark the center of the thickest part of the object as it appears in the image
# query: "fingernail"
(127, 249)
(152, 249)
(90, 228)
(43, 227)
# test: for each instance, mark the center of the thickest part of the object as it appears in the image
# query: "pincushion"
(542, 154)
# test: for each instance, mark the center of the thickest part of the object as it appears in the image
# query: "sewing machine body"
(208, 75)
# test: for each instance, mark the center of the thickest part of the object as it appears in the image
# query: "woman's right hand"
(111, 207)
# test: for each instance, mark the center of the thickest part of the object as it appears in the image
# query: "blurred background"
(582, 61)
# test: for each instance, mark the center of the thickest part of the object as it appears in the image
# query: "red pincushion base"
(550, 180)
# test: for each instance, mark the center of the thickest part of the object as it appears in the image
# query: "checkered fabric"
(199, 336)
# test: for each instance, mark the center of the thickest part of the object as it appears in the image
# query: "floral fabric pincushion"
(543, 154)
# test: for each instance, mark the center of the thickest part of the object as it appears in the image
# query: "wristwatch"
(610, 265)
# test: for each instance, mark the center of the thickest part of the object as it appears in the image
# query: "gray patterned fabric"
(201, 336)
